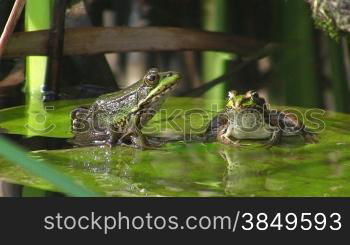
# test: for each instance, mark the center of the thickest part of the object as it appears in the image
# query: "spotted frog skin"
(117, 118)
(247, 117)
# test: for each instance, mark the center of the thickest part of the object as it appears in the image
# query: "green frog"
(247, 117)
(117, 118)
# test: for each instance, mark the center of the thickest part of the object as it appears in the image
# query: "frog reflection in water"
(247, 117)
(117, 118)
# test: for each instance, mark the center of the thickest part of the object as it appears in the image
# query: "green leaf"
(15, 155)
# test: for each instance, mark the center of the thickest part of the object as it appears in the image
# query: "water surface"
(194, 169)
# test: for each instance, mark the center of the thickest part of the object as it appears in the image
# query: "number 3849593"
(291, 221)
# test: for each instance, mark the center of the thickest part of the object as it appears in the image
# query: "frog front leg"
(224, 134)
(111, 137)
(133, 136)
(275, 138)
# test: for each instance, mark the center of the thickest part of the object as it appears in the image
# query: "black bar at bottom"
(209, 219)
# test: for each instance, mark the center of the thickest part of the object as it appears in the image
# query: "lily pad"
(195, 169)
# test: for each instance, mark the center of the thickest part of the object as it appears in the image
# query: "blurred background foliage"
(310, 69)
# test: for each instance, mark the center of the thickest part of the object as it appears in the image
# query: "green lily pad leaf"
(292, 168)
(52, 119)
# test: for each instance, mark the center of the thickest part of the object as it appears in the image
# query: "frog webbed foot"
(223, 136)
(135, 139)
(141, 142)
(227, 141)
(157, 142)
(111, 139)
(138, 141)
(275, 138)
(310, 138)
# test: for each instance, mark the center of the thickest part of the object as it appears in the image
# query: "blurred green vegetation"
(308, 71)
(296, 62)
(214, 18)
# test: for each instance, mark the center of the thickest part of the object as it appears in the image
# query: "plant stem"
(338, 75)
(297, 61)
(132, 39)
(55, 46)
(11, 24)
(214, 63)
(37, 17)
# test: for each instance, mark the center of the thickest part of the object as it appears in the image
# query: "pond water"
(192, 169)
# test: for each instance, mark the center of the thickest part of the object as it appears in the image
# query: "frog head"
(159, 84)
(250, 99)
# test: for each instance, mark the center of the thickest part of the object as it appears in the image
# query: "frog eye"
(252, 95)
(151, 79)
(231, 94)
(249, 94)
(255, 95)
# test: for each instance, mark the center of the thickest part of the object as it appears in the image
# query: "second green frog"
(247, 117)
